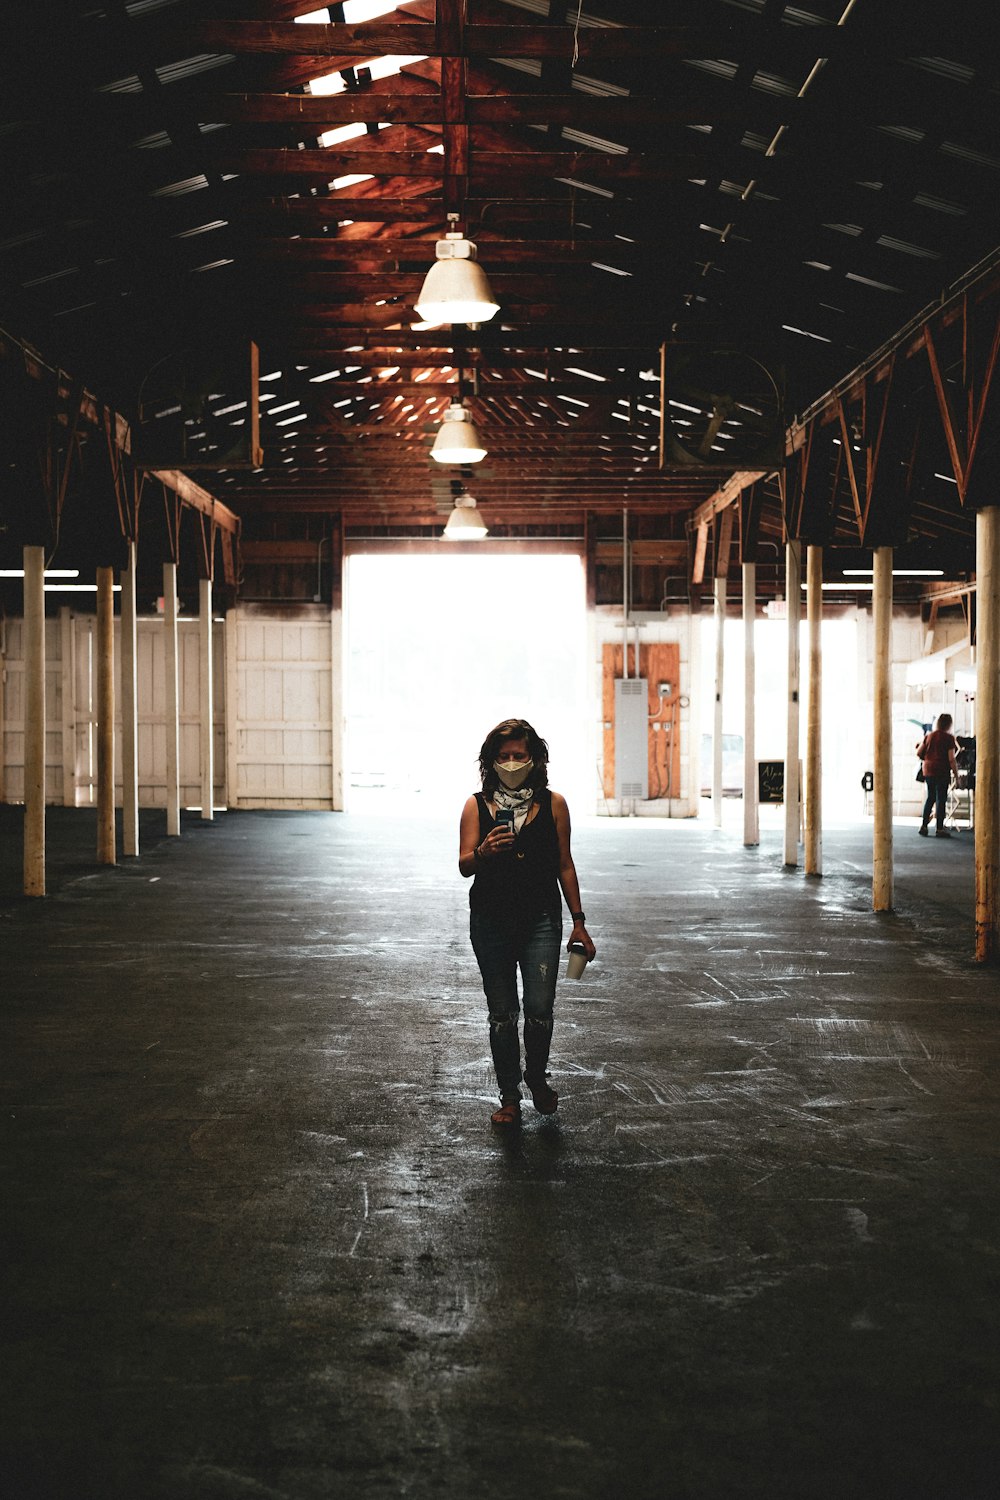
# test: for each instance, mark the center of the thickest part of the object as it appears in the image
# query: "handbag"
(920, 773)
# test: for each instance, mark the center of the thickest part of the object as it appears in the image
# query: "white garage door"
(283, 743)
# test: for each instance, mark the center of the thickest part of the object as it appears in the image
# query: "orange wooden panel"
(658, 662)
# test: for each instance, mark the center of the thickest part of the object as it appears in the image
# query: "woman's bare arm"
(472, 853)
(567, 872)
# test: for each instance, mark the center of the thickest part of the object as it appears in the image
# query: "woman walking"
(515, 842)
(937, 754)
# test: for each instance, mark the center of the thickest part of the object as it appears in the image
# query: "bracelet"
(578, 916)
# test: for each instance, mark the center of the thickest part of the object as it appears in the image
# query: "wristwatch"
(578, 916)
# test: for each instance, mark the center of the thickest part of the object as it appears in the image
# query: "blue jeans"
(500, 952)
(937, 795)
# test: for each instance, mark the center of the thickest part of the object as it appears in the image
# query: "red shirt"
(934, 752)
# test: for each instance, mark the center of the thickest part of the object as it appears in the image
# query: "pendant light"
(457, 440)
(456, 289)
(465, 524)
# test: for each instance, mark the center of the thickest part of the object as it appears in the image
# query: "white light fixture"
(457, 440)
(77, 588)
(49, 572)
(456, 289)
(465, 524)
(842, 588)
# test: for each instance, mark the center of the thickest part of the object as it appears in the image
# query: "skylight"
(178, 189)
(188, 67)
(367, 10)
(379, 67)
(343, 133)
(350, 179)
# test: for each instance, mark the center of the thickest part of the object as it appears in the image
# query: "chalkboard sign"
(770, 781)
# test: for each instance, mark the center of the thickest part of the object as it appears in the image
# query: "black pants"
(937, 796)
(500, 953)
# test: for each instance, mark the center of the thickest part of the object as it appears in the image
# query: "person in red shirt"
(937, 754)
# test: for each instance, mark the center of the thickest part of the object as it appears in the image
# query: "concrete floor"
(261, 1243)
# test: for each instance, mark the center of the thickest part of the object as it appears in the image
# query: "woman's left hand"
(581, 935)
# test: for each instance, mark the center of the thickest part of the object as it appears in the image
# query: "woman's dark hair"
(514, 729)
(944, 721)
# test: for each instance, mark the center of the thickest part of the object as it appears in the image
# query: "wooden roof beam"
(726, 495)
(483, 166)
(192, 495)
(379, 38)
(395, 106)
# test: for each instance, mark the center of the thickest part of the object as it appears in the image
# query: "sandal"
(509, 1112)
(545, 1100)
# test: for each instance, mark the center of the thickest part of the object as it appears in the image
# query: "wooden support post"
(589, 563)
(882, 730)
(171, 699)
(719, 591)
(206, 700)
(105, 648)
(337, 708)
(793, 594)
(67, 663)
(814, 724)
(987, 732)
(130, 712)
(751, 817)
(691, 717)
(34, 721)
(232, 644)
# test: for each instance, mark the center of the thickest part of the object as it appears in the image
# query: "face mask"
(513, 773)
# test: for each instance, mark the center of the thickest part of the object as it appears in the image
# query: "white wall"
(848, 710)
(273, 689)
(279, 715)
(281, 732)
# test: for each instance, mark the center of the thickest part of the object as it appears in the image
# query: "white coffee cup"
(577, 961)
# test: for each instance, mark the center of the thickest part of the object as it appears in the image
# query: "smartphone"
(505, 818)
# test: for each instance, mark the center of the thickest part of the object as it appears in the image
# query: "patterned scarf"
(520, 801)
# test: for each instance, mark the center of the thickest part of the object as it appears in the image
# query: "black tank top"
(522, 883)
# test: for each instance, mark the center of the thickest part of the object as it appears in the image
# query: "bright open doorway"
(439, 649)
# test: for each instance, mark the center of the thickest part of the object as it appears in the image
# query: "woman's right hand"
(496, 841)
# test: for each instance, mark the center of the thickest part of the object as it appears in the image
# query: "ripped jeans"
(499, 952)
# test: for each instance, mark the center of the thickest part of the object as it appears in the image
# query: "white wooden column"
(67, 664)
(987, 732)
(814, 723)
(882, 730)
(34, 721)
(104, 646)
(751, 818)
(206, 700)
(130, 712)
(719, 592)
(232, 708)
(693, 716)
(337, 709)
(793, 593)
(171, 699)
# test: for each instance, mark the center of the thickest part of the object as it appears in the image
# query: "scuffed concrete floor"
(260, 1240)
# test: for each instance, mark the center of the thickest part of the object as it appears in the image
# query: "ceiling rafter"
(738, 177)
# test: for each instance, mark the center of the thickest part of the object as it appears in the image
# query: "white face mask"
(513, 773)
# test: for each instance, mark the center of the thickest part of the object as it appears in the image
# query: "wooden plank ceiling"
(791, 181)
